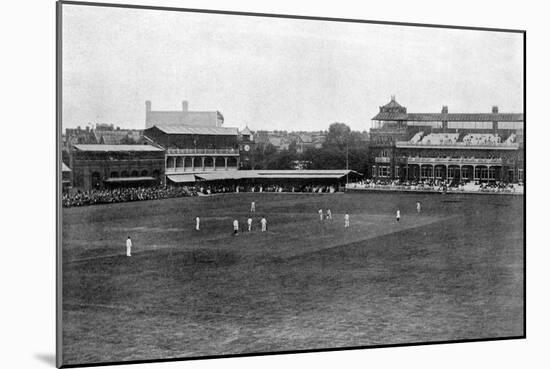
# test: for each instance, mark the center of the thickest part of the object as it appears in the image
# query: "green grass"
(455, 271)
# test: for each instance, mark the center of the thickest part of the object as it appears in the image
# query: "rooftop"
(451, 117)
(111, 148)
(197, 130)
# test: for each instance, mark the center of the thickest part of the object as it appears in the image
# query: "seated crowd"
(437, 185)
(210, 189)
(107, 196)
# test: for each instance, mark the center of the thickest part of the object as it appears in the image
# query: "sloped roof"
(107, 148)
(392, 104)
(198, 130)
(246, 131)
(273, 174)
(453, 117)
(65, 168)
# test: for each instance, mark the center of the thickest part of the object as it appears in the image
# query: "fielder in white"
(129, 246)
(346, 220)
(418, 207)
(321, 214)
(197, 224)
(252, 207)
(398, 215)
(264, 224)
(329, 214)
(235, 227)
(249, 221)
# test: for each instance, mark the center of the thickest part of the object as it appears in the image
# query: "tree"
(338, 135)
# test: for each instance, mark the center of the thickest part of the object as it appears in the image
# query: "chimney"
(495, 109)
(392, 97)
(148, 106)
(445, 109)
(184, 106)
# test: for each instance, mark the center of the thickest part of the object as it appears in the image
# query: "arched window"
(124, 174)
(114, 174)
(220, 162)
(144, 173)
(135, 173)
(156, 173)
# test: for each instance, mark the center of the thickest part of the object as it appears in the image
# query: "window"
(383, 171)
(144, 173)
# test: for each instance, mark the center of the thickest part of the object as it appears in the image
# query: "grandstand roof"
(256, 174)
(65, 168)
(453, 117)
(197, 130)
(107, 148)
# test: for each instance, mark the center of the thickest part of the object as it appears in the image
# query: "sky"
(271, 73)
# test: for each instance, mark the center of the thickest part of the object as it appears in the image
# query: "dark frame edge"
(525, 184)
(290, 352)
(58, 212)
(286, 16)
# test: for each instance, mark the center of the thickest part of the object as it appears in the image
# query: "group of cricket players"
(322, 216)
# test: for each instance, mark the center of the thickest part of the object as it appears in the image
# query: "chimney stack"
(495, 109)
(184, 106)
(148, 106)
(392, 97)
(445, 109)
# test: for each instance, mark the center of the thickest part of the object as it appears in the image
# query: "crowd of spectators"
(108, 196)
(438, 186)
(211, 189)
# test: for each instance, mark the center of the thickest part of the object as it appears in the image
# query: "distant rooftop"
(184, 116)
(393, 111)
(198, 130)
(114, 148)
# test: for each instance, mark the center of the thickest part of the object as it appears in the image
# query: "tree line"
(342, 146)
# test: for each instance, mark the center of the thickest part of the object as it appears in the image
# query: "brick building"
(104, 166)
(481, 147)
(181, 117)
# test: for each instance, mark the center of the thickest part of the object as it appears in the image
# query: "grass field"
(453, 272)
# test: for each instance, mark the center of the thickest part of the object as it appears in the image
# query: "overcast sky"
(272, 73)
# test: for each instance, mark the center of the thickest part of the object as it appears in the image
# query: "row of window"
(127, 174)
(181, 161)
(426, 171)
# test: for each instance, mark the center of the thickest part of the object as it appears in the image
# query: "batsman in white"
(129, 246)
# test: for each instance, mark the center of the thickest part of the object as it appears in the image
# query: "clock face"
(246, 148)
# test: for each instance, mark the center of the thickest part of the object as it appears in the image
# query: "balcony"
(455, 161)
(229, 151)
(382, 159)
(458, 145)
(199, 169)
